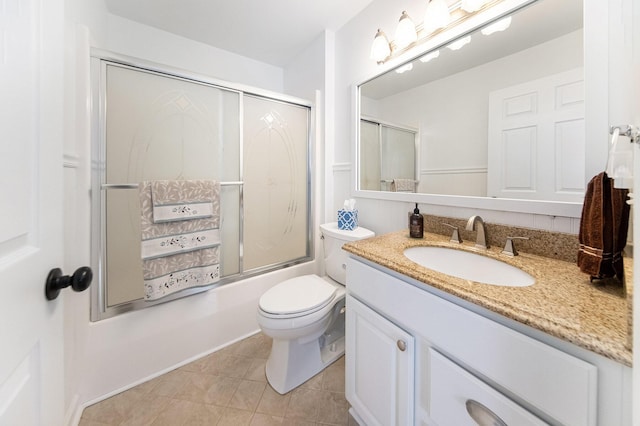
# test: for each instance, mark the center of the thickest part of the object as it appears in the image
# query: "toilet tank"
(335, 259)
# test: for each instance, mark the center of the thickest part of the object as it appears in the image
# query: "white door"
(31, 123)
(536, 143)
(380, 365)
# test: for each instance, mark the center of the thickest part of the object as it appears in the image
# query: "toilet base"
(299, 353)
(291, 363)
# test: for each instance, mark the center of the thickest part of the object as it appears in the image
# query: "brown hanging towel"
(603, 229)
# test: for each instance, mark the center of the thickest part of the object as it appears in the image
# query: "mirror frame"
(469, 25)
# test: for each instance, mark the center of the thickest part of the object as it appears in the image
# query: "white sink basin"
(469, 266)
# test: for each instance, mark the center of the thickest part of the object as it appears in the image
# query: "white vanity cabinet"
(380, 367)
(466, 360)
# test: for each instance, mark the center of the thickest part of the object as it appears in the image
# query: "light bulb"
(405, 32)
(436, 16)
(380, 49)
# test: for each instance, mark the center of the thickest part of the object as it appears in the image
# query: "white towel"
(403, 185)
(179, 253)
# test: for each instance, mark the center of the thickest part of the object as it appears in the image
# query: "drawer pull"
(402, 345)
(482, 415)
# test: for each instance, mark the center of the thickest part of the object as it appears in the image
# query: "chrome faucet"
(510, 247)
(475, 223)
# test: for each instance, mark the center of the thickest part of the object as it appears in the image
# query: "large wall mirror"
(498, 115)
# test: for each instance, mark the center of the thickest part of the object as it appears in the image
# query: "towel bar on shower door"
(135, 185)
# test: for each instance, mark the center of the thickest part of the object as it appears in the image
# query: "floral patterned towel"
(403, 185)
(179, 253)
(183, 199)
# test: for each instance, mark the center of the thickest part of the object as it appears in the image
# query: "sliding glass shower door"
(150, 125)
(276, 185)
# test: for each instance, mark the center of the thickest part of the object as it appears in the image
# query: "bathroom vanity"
(427, 348)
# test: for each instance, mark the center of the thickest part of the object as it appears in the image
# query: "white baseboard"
(73, 412)
(356, 417)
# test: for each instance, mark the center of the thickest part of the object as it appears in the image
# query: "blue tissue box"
(347, 219)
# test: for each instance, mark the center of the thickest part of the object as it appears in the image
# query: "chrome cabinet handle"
(482, 415)
(402, 345)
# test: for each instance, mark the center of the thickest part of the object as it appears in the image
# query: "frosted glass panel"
(386, 153)
(369, 156)
(275, 182)
(398, 149)
(230, 229)
(123, 266)
(159, 127)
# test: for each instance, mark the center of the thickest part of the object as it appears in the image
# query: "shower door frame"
(384, 184)
(99, 60)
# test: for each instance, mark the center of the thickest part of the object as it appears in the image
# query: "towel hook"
(628, 130)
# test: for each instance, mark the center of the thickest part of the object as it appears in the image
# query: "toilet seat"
(297, 297)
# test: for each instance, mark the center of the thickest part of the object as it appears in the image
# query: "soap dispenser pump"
(416, 224)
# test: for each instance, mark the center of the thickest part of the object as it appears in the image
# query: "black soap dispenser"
(416, 224)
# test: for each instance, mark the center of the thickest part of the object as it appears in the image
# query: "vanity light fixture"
(439, 14)
(405, 32)
(501, 25)
(472, 5)
(458, 44)
(436, 16)
(380, 49)
(429, 56)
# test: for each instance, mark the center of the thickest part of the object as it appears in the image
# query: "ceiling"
(273, 31)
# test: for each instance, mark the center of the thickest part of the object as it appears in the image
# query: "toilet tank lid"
(359, 233)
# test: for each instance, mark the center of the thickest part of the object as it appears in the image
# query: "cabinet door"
(379, 367)
(460, 399)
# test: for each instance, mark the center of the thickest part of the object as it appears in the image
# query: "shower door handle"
(79, 281)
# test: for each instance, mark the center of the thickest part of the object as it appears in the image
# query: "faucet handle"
(510, 247)
(455, 236)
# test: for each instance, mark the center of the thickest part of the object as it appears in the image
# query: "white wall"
(108, 356)
(309, 76)
(76, 185)
(140, 41)
(306, 73)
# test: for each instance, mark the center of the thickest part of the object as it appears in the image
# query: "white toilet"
(305, 315)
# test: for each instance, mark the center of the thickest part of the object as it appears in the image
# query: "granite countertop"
(562, 302)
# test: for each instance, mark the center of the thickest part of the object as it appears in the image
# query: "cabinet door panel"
(451, 388)
(380, 367)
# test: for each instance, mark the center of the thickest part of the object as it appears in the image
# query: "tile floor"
(228, 387)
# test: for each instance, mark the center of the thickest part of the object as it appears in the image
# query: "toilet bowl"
(305, 316)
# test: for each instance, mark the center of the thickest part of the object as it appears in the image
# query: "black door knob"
(79, 281)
